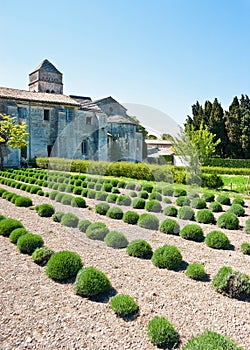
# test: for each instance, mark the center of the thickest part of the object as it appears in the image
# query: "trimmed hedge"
(167, 257)
(216, 207)
(186, 213)
(83, 225)
(149, 221)
(196, 271)
(45, 210)
(8, 225)
(131, 217)
(192, 232)
(15, 234)
(28, 242)
(170, 211)
(229, 221)
(102, 208)
(139, 248)
(153, 206)
(69, 220)
(217, 240)
(42, 255)
(97, 231)
(116, 239)
(237, 209)
(138, 203)
(21, 201)
(170, 226)
(123, 305)
(115, 213)
(205, 216)
(162, 333)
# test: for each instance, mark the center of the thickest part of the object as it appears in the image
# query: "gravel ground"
(38, 313)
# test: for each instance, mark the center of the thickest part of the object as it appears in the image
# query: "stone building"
(64, 126)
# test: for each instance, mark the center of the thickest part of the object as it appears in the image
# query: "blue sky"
(165, 54)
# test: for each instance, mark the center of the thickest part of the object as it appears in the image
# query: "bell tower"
(46, 78)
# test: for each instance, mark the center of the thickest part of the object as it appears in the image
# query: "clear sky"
(166, 54)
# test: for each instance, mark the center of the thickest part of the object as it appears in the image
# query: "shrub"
(53, 194)
(208, 196)
(15, 234)
(69, 220)
(66, 199)
(233, 284)
(192, 232)
(8, 225)
(139, 248)
(153, 206)
(178, 192)
(102, 208)
(29, 242)
(107, 187)
(211, 340)
(123, 200)
(2, 191)
(78, 202)
(97, 231)
(167, 257)
(162, 333)
(167, 191)
(77, 190)
(133, 194)
(122, 184)
(112, 198)
(167, 200)
(84, 192)
(247, 227)
(216, 207)
(212, 181)
(196, 271)
(229, 221)
(205, 216)
(116, 239)
(223, 199)
(149, 221)
(59, 196)
(45, 210)
(186, 213)
(115, 213)
(143, 194)
(131, 217)
(42, 255)
(170, 226)
(217, 240)
(155, 195)
(123, 305)
(83, 225)
(21, 201)
(237, 209)
(90, 282)
(57, 217)
(139, 203)
(69, 188)
(193, 194)
(170, 211)
(198, 203)
(182, 200)
(62, 187)
(239, 200)
(245, 248)
(101, 196)
(147, 187)
(63, 265)
(91, 194)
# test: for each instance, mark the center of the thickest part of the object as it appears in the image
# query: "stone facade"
(63, 126)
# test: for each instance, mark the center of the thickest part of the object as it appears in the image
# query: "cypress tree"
(233, 127)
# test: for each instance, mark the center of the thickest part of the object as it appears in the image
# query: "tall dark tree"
(233, 127)
(217, 127)
(245, 125)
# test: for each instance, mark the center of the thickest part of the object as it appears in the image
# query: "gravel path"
(38, 313)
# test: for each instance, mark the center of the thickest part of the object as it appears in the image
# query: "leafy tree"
(167, 137)
(233, 127)
(140, 127)
(12, 135)
(217, 127)
(152, 137)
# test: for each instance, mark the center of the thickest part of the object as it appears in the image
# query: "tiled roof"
(119, 119)
(16, 94)
(108, 100)
(89, 105)
(47, 66)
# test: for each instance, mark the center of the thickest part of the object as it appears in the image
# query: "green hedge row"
(228, 163)
(226, 171)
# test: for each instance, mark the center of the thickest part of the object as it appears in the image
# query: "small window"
(88, 121)
(49, 149)
(69, 114)
(22, 112)
(46, 114)
(84, 147)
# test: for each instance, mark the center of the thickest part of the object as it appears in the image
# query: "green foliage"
(107, 187)
(192, 232)
(133, 194)
(239, 200)
(167, 200)
(63, 265)
(223, 199)
(182, 200)
(170, 226)
(143, 194)
(198, 203)
(196, 271)
(212, 181)
(229, 221)
(78, 202)
(247, 227)
(233, 284)
(131, 217)
(208, 196)
(153, 206)
(123, 305)
(69, 220)
(42, 255)
(210, 340)
(138, 203)
(102, 208)
(167, 257)
(162, 333)
(149, 221)
(8, 225)
(205, 216)
(66, 199)
(178, 192)
(53, 194)
(97, 231)
(83, 225)
(155, 195)
(21, 201)
(216, 207)
(115, 213)
(57, 217)
(112, 198)
(116, 239)
(101, 196)
(91, 282)
(147, 187)
(245, 248)
(28, 242)
(217, 240)
(170, 211)
(45, 210)
(15, 234)
(167, 191)
(186, 213)
(139, 248)
(236, 209)
(123, 200)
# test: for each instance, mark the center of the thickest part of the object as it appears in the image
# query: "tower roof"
(46, 65)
